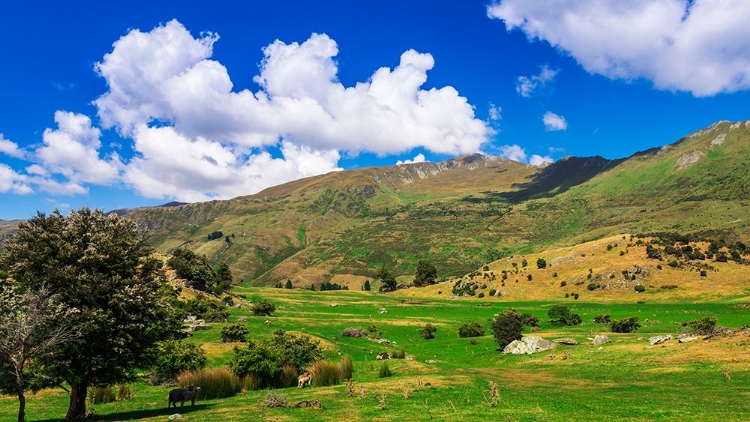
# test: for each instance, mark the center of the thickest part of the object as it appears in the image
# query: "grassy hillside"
(465, 212)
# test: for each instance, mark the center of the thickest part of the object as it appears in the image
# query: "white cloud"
(513, 152)
(10, 181)
(538, 160)
(553, 122)
(208, 135)
(526, 86)
(419, 158)
(697, 46)
(494, 112)
(10, 148)
(72, 151)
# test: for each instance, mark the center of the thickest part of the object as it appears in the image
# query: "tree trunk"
(21, 406)
(77, 409)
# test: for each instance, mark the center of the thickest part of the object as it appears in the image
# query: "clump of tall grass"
(287, 377)
(215, 383)
(385, 371)
(325, 372)
(109, 394)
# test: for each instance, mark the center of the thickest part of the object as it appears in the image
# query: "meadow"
(449, 378)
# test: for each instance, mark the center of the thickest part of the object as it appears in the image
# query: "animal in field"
(182, 395)
(304, 380)
(382, 356)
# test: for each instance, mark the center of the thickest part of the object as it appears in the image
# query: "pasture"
(449, 378)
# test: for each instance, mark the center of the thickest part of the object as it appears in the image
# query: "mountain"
(464, 212)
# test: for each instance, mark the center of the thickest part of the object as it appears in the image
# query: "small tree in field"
(387, 279)
(541, 263)
(507, 327)
(625, 325)
(471, 329)
(426, 273)
(263, 308)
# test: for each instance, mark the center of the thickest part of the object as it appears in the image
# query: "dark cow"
(182, 395)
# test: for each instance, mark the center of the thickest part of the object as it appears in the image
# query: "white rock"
(528, 345)
(659, 339)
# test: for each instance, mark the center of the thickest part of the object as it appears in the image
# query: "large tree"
(102, 269)
(28, 332)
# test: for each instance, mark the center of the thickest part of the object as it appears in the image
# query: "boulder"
(659, 339)
(684, 338)
(600, 339)
(570, 341)
(528, 345)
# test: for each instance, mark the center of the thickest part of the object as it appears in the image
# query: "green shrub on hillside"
(174, 357)
(234, 333)
(703, 326)
(427, 332)
(263, 308)
(560, 314)
(625, 325)
(507, 327)
(471, 329)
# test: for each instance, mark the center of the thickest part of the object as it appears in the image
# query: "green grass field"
(624, 380)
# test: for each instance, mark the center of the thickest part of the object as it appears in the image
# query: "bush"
(592, 286)
(215, 383)
(493, 292)
(234, 333)
(263, 308)
(640, 288)
(428, 331)
(602, 319)
(385, 371)
(704, 326)
(264, 359)
(207, 309)
(399, 354)
(541, 263)
(625, 325)
(175, 356)
(507, 327)
(471, 329)
(530, 320)
(480, 295)
(560, 314)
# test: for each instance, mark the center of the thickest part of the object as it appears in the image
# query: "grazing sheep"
(304, 380)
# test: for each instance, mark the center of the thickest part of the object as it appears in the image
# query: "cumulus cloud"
(538, 160)
(11, 181)
(698, 46)
(553, 122)
(419, 158)
(526, 85)
(195, 137)
(10, 148)
(513, 152)
(72, 150)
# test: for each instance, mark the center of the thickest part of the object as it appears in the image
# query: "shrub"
(354, 332)
(207, 309)
(625, 325)
(471, 329)
(530, 320)
(399, 354)
(602, 319)
(215, 383)
(541, 263)
(640, 288)
(101, 395)
(385, 371)
(560, 314)
(234, 333)
(507, 327)
(563, 283)
(428, 331)
(493, 292)
(175, 356)
(263, 308)
(287, 377)
(704, 326)
(592, 286)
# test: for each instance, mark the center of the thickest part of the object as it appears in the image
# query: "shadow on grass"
(142, 414)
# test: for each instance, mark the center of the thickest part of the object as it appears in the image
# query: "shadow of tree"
(141, 414)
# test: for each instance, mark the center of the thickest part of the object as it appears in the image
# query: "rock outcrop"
(528, 345)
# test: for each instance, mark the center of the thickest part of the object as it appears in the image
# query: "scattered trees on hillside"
(198, 272)
(426, 273)
(99, 266)
(507, 327)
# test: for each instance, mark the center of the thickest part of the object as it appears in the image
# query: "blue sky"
(128, 104)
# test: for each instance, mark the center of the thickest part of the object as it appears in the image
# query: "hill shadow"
(555, 179)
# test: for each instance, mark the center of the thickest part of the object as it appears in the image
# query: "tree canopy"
(426, 273)
(100, 266)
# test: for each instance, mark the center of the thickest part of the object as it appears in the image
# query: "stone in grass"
(528, 345)
(570, 341)
(659, 339)
(600, 339)
(684, 338)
